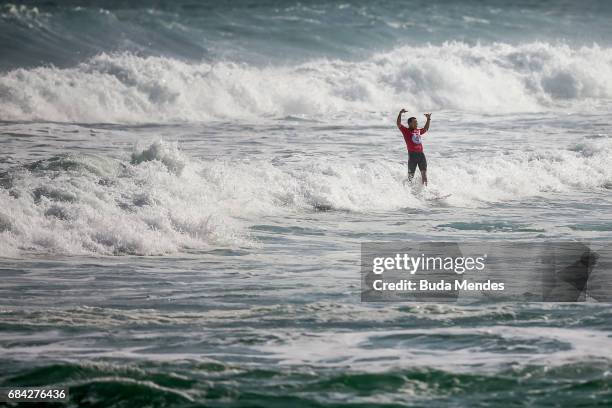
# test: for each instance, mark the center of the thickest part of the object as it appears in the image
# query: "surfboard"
(426, 193)
(438, 197)
(433, 194)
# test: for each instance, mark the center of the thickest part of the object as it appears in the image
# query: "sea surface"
(185, 186)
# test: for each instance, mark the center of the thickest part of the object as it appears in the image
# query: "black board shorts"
(416, 159)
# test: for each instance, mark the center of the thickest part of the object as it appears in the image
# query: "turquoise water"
(214, 330)
(184, 189)
(205, 273)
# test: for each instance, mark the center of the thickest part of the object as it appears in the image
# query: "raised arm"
(426, 127)
(399, 118)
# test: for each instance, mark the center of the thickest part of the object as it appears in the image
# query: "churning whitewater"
(495, 78)
(160, 201)
(185, 188)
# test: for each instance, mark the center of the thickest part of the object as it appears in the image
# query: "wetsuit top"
(413, 138)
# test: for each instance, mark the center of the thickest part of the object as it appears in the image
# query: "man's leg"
(424, 176)
(412, 165)
(423, 168)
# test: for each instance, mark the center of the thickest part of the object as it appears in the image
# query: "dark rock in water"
(323, 207)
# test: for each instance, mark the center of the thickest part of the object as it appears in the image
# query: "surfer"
(412, 136)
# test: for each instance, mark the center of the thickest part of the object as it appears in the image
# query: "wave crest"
(125, 88)
(84, 204)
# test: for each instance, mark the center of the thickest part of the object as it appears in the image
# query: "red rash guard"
(413, 138)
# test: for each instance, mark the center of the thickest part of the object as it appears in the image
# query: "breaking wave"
(125, 88)
(159, 201)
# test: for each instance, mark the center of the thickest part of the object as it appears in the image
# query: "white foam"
(143, 208)
(484, 78)
(519, 175)
(161, 201)
(356, 349)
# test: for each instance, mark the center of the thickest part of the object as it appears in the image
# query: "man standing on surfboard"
(412, 136)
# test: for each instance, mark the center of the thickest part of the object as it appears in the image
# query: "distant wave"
(42, 32)
(159, 201)
(126, 88)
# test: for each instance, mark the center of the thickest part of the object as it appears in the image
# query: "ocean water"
(184, 188)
